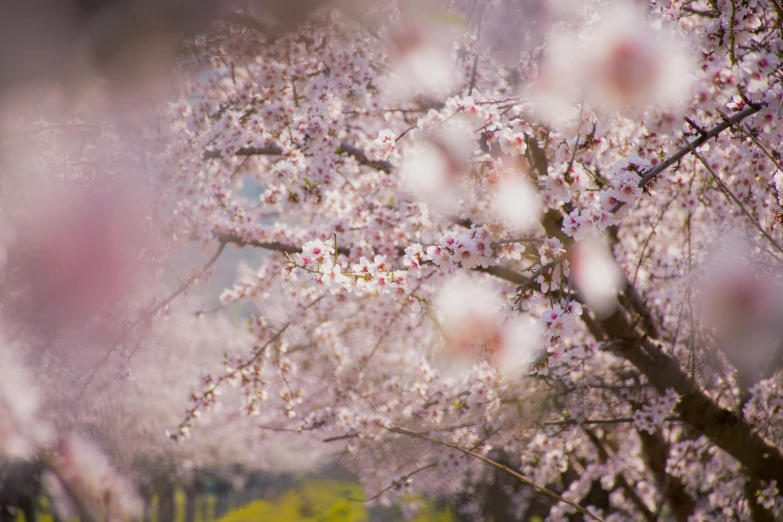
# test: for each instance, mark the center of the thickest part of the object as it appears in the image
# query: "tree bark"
(621, 481)
(724, 428)
(167, 510)
(191, 497)
(147, 513)
(28, 505)
(221, 507)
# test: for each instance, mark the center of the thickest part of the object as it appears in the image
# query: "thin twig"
(476, 57)
(400, 481)
(541, 489)
(589, 422)
(729, 194)
(149, 314)
(145, 317)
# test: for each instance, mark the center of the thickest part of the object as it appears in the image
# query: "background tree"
(523, 239)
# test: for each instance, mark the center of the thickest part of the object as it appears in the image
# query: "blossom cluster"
(650, 416)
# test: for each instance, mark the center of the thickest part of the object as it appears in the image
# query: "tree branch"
(500, 272)
(637, 501)
(724, 428)
(654, 172)
(271, 150)
(275, 246)
(360, 156)
(656, 453)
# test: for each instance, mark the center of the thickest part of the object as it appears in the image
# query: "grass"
(314, 501)
(323, 501)
(311, 501)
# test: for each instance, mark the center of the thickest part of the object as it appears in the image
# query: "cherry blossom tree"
(522, 254)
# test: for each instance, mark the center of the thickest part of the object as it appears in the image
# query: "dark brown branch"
(708, 14)
(149, 314)
(360, 156)
(656, 452)
(504, 273)
(695, 126)
(501, 272)
(272, 150)
(588, 422)
(275, 246)
(341, 437)
(730, 195)
(603, 456)
(477, 55)
(654, 172)
(398, 482)
(724, 428)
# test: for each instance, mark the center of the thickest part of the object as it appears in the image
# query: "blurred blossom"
(21, 430)
(82, 479)
(596, 275)
(427, 173)
(521, 342)
(619, 62)
(467, 310)
(78, 255)
(733, 294)
(433, 168)
(516, 201)
(421, 51)
(742, 303)
(474, 329)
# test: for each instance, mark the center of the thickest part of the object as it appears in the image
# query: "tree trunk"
(28, 505)
(724, 428)
(191, 496)
(6, 515)
(146, 500)
(166, 508)
(221, 507)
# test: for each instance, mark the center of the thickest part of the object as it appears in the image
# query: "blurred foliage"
(429, 512)
(316, 501)
(311, 501)
(205, 507)
(325, 501)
